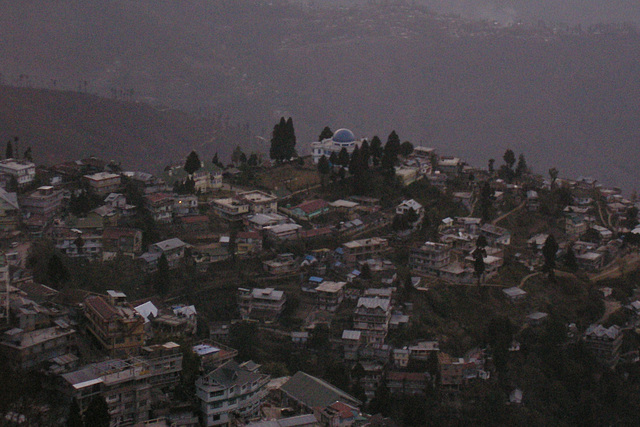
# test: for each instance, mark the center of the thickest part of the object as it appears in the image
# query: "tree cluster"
(283, 141)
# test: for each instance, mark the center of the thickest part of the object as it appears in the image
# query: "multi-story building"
(9, 211)
(126, 385)
(248, 242)
(173, 249)
(453, 371)
(407, 383)
(23, 171)
(46, 201)
(363, 249)
(604, 343)
(329, 295)
(496, 236)
(371, 317)
(281, 264)
(231, 393)
(114, 323)
(351, 343)
(259, 202)
(26, 350)
(230, 209)
(429, 257)
(262, 304)
(127, 241)
(78, 244)
(185, 204)
(160, 206)
(102, 183)
(423, 349)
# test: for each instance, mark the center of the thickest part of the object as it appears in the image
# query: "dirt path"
(610, 307)
(525, 278)
(514, 210)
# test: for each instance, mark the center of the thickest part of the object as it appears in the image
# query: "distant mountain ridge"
(66, 125)
(566, 97)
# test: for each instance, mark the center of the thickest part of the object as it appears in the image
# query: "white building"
(343, 138)
(231, 393)
(24, 172)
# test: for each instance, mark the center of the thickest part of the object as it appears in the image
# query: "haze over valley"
(566, 95)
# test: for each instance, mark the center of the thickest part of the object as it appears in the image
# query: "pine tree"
(323, 168)
(333, 159)
(192, 164)
(290, 138)
(365, 155)
(509, 158)
(406, 148)
(376, 150)
(521, 167)
(9, 150)
(343, 157)
(28, 155)
(325, 134)
(57, 272)
(549, 251)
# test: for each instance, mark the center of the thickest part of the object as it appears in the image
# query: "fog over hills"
(566, 96)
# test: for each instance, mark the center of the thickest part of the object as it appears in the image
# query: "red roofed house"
(195, 223)
(310, 209)
(160, 205)
(407, 382)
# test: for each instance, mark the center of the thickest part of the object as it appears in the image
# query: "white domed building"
(342, 138)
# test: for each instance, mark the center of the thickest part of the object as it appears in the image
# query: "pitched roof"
(312, 206)
(314, 392)
(101, 307)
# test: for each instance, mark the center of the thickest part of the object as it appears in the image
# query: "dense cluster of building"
(99, 345)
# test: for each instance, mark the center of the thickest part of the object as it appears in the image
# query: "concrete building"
(46, 201)
(259, 202)
(102, 183)
(78, 244)
(173, 249)
(160, 206)
(115, 324)
(329, 295)
(230, 394)
(9, 211)
(281, 264)
(127, 241)
(28, 349)
(23, 171)
(429, 258)
(126, 385)
(604, 343)
(262, 304)
(371, 317)
(363, 249)
(230, 209)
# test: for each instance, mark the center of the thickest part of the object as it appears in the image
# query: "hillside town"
(366, 284)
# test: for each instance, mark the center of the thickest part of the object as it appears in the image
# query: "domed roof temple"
(342, 138)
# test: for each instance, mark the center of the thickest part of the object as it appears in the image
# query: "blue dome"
(343, 135)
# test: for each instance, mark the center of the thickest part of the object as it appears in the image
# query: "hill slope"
(64, 125)
(568, 98)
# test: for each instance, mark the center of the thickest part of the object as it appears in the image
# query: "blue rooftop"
(343, 135)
